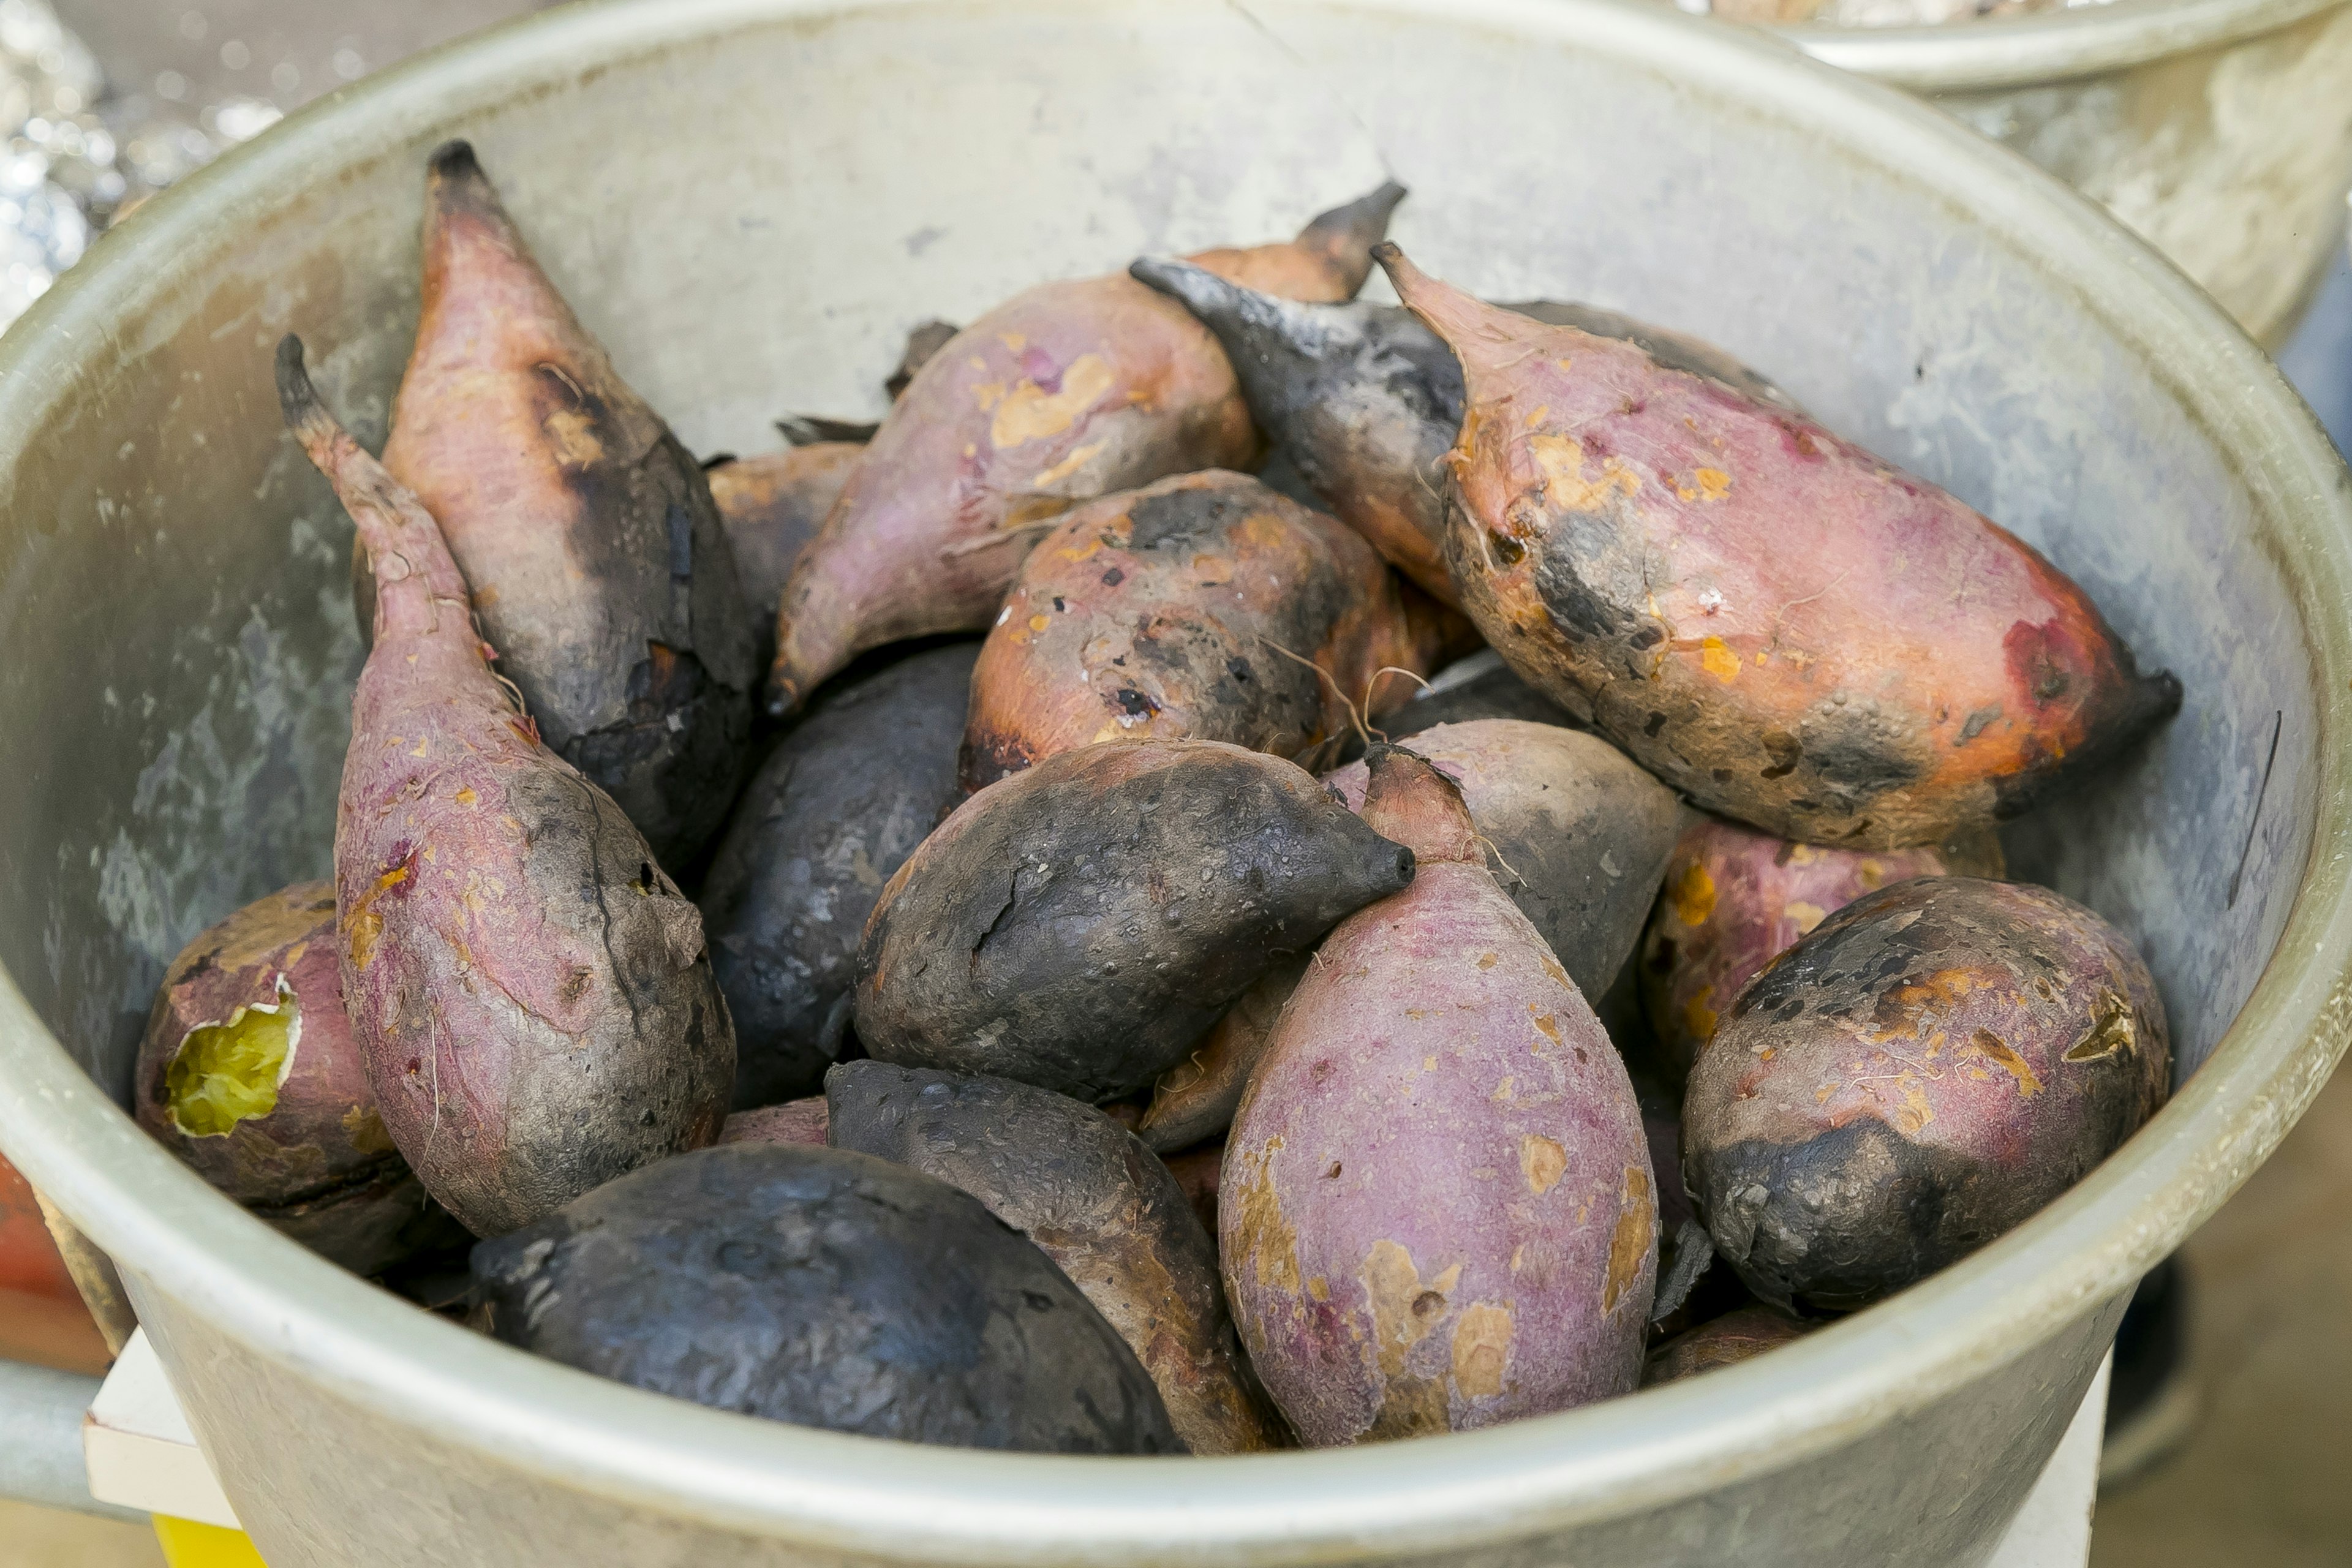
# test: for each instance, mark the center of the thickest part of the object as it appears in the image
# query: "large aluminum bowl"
(750, 200)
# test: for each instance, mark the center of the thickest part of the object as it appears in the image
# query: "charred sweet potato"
(795, 1122)
(771, 507)
(249, 1073)
(1070, 391)
(1196, 1098)
(599, 566)
(1721, 1341)
(1205, 605)
(1736, 899)
(1436, 1208)
(1081, 925)
(1935, 1062)
(837, 808)
(529, 990)
(1767, 618)
(826, 1288)
(1096, 1202)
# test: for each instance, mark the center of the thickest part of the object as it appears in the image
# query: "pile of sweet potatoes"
(1174, 990)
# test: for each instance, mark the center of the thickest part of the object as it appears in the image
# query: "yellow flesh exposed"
(226, 1073)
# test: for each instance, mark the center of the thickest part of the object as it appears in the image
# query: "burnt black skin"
(826, 1288)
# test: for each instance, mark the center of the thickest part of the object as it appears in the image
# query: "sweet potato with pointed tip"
(1721, 1341)
(1096, 1202)
(1778, 624)
(248, 1072)
(833, 811)
(599, 565)
(1736, 899)
(1364, 399)
(1436, 1210)
(529, 989)
(1925, 1071)
(1205, 605)
(771, 506)
(1196, 1099)
(827, 1289)
(1069, 390)
(1081, 925)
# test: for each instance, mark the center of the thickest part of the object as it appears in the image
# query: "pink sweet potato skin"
(1721, 1341)
(771, 506)
(1205, 605)
(530, 992)
(1762, 614)
(794, 1121)
(1436, 1208)
(1069, 390)
(1930, 1066)
(1736, 899)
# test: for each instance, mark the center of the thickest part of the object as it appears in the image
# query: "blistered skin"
(1722, 1341)
(528, 988)
(826, 1288)
(1736, 899)
(1783, 628)
(1196, 1099)
(248, 1072)
(1205, 605)
(1081, 925)
(1930, 1066)
(1436, 1211)
(599, 569)
(834, 809)
(1576, 834)
(771, 507)
(1097, 1203)
(1072, 390)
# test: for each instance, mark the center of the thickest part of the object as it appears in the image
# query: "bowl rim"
(181, 1241)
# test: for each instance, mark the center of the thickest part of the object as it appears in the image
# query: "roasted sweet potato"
(1099, 1203)
(1766, 616)
(1081, 925)
(249, 1073)
(771, 507)
(834, 809)
(529, 989)
(795, 1122)
(826, 1288)
(1576, 834)
(1935, 1062)
(1205, 605)
(1736, 899)
(1721, 1341)
(1436, 1208)
(1072, 390)
(1196, 1098)
(599, 568)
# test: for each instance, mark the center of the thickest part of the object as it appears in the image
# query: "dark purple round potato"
(825, 1288)
(1935, 1062)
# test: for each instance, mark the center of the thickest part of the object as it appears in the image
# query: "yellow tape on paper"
(187, 1544)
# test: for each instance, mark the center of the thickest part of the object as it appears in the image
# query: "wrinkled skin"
(1081, 925)
(1769, 618)
(1096, 1202)
(771, 506)
(795, 1122)
(1205, 605)
(834, 809)
(1721, 1341)
(290, 1130)
(1365, 400)
(826, 1288)
(1574, 832)
(1196, 1099)
(1930, 1066)
(1072, 390)
(1436, 1210)
(529, 990)
(599, 565)
(1736, 899)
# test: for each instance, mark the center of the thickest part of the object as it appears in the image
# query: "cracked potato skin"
(1081, 925)
(1098, 1203)
(1934, 1064)
(826, 1288)
(1436, 1208)
(1764, 616)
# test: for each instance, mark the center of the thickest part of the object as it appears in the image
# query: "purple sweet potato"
(795, 1122)
(1436, 1210)
(248, 1072)
(1737, 899)
(1721, 1341)
(1096, 1202)
(1205, 605)
(529, 989)
(1196, 1098)
(1935, 1062)
(1081, 925)
(1769, 618)
(1069, 390)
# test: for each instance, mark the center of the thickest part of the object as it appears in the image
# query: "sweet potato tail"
(1485, 338)
(1248, 321)
(1409, 801)
(1347, 234)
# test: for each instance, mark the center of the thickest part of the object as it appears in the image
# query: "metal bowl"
(750, 201)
